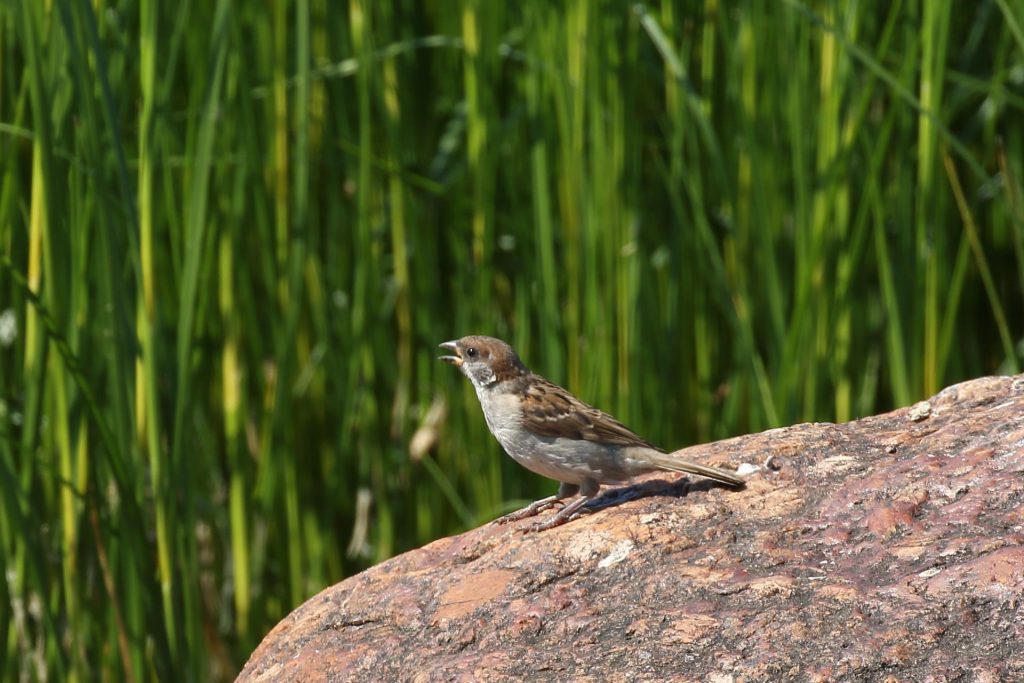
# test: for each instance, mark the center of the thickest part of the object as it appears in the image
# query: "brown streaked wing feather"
(550, 410)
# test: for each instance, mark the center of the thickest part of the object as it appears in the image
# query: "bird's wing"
(550, 410)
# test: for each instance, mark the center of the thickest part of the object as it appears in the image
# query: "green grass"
(232, 234)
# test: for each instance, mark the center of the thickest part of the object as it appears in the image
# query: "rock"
(890, 548)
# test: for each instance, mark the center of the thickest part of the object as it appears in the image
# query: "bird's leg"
(538, 506)
(587, 491)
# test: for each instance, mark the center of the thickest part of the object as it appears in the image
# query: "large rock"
(889, 548)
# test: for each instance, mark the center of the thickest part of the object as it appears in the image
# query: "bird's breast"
(502, 410)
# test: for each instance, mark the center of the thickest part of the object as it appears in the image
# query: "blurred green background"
(233, 233)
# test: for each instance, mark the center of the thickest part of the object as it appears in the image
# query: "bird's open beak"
(455, 360)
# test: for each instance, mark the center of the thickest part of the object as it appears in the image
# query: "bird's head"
(484, 360)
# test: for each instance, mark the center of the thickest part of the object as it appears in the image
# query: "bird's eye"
(471, 352)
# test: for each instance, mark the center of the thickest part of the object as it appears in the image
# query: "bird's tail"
(673, 463)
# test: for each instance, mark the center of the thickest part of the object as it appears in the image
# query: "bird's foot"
(531, 510)
(566, 514)
(557, 520)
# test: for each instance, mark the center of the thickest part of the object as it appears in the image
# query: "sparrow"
(549, 431)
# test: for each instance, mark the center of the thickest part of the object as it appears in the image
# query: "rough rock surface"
(886, 549)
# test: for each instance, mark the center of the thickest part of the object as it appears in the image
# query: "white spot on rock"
(618, 554)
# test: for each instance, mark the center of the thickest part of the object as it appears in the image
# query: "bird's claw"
(531, 510)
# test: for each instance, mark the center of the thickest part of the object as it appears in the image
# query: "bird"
(549, 431)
